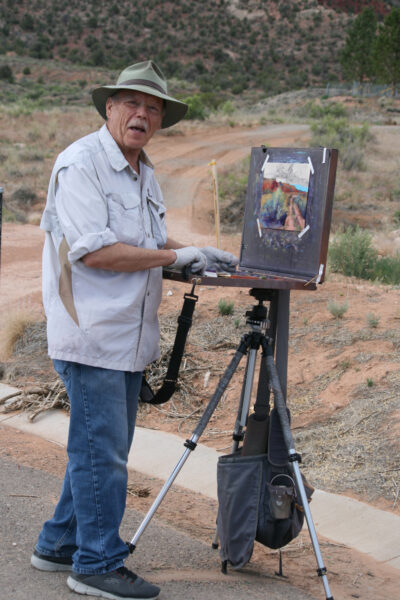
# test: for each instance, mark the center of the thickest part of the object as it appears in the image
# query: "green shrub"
(333, 132)
(337, 310)
(27, 22)
(321, 110)
(6, 73)
(23, 196)
(227, 108)
(352, 254)
(225, 307)
(387, 269)
(196, 108)
(372, 320)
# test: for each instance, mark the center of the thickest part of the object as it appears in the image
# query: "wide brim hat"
(144, 77)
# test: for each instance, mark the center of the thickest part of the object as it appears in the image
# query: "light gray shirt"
(99, 317)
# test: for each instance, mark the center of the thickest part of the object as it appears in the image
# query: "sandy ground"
(350, 574)
(330, 361)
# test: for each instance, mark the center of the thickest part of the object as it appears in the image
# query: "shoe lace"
(127, 574)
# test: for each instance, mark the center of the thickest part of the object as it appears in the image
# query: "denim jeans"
(86, 521)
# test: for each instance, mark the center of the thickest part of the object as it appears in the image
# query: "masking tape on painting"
(324, 156)
(259, 228)
(303, 232)
(311, 165)
(264, 163)
(321, 272)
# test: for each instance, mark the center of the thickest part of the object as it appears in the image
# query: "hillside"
(233, 45)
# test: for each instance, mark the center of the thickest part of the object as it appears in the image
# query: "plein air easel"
(268, 333)
(287, 218)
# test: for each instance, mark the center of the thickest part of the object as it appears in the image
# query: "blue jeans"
(87, 518)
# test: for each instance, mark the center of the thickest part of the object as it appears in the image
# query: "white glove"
(219, 260)
(190, 256)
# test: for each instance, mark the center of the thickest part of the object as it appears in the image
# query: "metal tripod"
(262, 335)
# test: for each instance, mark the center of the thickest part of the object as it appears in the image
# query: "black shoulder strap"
(169, 386)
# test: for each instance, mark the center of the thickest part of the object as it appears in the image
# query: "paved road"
(185, 568)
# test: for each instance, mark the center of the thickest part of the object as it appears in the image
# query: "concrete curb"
(358, 525)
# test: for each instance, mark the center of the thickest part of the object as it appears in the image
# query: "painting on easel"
(288, 212)
(284, 196)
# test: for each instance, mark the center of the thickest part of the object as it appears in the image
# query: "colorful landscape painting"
(284, 196)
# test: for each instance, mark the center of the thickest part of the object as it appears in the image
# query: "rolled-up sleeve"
(82, 211)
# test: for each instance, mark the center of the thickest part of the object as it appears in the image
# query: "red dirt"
(182, 163)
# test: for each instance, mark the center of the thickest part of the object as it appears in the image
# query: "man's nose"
(141, 110)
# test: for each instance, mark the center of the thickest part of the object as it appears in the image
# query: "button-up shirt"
(99, 317)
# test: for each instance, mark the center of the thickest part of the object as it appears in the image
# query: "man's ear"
(109, 102)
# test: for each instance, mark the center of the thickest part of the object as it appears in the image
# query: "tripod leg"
(294, 459)
(192, 443)
(245, 398)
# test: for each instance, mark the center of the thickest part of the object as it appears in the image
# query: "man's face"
(133, 118)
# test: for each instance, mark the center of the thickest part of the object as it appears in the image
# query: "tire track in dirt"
(184, 174)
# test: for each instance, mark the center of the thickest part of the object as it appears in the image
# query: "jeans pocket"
(63, 368)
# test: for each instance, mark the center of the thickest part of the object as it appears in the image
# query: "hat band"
(144, 82)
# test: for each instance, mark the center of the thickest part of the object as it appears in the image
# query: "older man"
(106, 243)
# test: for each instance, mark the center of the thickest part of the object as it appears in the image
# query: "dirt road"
(181, 163)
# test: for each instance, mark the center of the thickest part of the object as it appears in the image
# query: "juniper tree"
(356, 57)
(387, 50)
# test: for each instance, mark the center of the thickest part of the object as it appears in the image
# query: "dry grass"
(29, 145)
(13, 331)
(354, 448)
(357, 449)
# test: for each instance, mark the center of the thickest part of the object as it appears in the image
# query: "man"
(106, 244)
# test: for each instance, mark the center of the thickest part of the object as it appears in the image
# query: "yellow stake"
(213, 165)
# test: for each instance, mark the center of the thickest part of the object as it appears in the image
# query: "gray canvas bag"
(258, 501)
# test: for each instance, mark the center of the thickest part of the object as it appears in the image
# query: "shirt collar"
(114, 154)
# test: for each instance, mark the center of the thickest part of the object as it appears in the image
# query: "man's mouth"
(139, 128)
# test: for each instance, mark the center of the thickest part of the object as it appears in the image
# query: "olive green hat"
(142, 77)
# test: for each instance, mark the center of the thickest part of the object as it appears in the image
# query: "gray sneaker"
(51, 563)
(116, 585)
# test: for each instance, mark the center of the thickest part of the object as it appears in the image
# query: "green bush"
(24, 196)
(227, 107)
(372, 320)
(27, 22)
(333, 132)
(196, 108)
(320, 111)
(6, 73)
(352, 254)
(225, 307)
(387, 269)
(337, 310)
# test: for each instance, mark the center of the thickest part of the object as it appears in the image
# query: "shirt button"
(134, 177)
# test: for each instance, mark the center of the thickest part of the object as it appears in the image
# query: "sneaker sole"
(47, 565)
(82, 588)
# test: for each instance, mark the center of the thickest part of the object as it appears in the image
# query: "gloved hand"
(192, 257)
(219, 260)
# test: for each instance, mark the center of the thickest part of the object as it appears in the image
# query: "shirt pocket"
(126, 218)
(159, 229)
